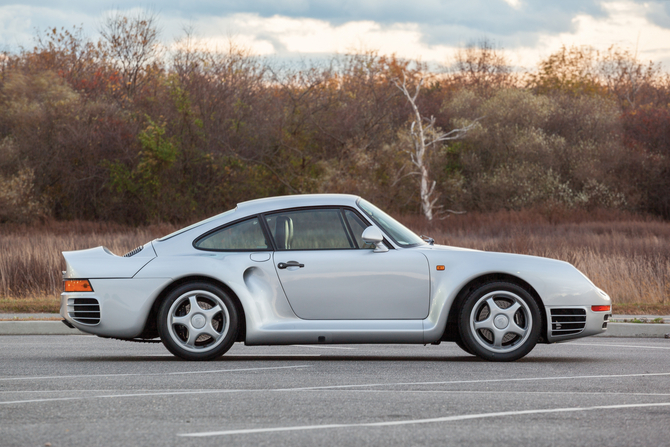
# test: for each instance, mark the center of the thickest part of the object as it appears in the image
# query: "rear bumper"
(123, 306)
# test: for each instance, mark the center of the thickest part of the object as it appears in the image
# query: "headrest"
(284, 232)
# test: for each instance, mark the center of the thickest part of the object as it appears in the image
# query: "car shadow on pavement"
(328, 358)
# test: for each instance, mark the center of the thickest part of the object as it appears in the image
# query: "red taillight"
(601, 308)
(77, 285)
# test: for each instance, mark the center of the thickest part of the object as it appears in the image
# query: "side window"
(316, 229)
(357, 226)
(245, 235)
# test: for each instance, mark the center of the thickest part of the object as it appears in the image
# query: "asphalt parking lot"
(87, 391)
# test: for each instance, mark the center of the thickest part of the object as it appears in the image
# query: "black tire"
(499, 321)
(463, 347)
(198, 321)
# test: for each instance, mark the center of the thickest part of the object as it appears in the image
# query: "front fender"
(556, 282)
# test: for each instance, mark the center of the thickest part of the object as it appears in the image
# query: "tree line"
(124, 130)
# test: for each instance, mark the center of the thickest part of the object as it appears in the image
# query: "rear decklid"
(99, 262)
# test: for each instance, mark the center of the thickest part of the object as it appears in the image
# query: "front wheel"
(500, 322)
(197, 321)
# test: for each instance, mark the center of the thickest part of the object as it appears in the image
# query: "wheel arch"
(451, 329)
(150, 327)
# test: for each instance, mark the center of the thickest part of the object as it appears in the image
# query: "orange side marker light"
(601, 308)
(440, 267)
(77, 285)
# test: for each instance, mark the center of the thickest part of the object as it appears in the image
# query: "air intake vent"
(567, 321)
(84, 310)
(134, 251)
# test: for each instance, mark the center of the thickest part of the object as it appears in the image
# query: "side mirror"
(373, 235)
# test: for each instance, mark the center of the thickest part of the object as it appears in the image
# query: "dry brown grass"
(626, 255)
(45, 304)
(31, 262)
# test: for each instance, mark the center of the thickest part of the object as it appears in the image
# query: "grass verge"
(49, 304)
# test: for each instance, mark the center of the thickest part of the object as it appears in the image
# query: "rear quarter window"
(245, 235)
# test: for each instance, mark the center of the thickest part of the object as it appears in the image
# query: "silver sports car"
(324, 268)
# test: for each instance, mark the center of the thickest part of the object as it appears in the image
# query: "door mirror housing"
(373, 235)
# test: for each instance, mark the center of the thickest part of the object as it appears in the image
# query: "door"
(328, 273)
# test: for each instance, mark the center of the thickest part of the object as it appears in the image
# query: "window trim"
(268, 234)
(384, 232)
(347, 228)
(235, 250)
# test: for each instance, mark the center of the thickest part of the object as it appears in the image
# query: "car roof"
(265, 205)
(283, 202)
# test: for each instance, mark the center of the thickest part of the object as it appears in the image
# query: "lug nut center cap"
(198, 321)
(501, 321)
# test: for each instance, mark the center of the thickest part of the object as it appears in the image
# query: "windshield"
(400, 234)
(197, 224)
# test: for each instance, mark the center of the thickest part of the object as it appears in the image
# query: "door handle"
(283, 265)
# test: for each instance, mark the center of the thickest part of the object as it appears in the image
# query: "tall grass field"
(628, 256)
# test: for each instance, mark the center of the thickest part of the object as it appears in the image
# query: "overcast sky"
(430, 30)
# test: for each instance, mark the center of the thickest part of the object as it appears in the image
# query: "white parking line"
(490, 392)
(318, 388)
(616, 346)
(322, 347)
(145, 392)
(112, 396)
(462, 417)
(457, 382)
(153, 374)
(273, 355)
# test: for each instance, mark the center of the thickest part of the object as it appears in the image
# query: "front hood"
(446, 247)
(99, 262)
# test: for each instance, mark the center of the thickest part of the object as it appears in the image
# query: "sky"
(426, 30)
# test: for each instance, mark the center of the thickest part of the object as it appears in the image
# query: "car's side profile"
(325, 268)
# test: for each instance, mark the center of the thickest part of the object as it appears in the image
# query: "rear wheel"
(463, 347)
(198, 321)
(500, 321)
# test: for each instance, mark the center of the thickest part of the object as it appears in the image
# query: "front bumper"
(569, 322)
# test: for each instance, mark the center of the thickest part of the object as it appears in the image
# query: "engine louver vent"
(134, 251)
(567, 321)
(84, 310)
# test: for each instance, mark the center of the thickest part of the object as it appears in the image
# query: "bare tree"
(425, 138)
(133, 44)
(624, 75)
(482, 67)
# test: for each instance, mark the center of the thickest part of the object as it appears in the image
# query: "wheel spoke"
(485, 324)
(493, 306)
(516, 329)
(498, 336)
(193, 335)
(209, 330)
(194, 304)
(510, 311)
(210, 313)
(181, 320)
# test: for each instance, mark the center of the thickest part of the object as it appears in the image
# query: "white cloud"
(20, 24)
(285, 35)
(624, 23)
(514, 3)
(627, 26)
